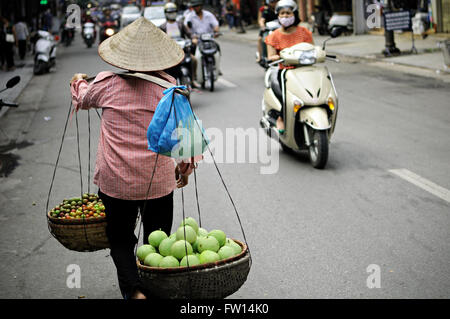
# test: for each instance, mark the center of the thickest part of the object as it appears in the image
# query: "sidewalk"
(428, 62)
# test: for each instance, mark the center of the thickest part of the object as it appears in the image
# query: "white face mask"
(171, 16)
(286, 22)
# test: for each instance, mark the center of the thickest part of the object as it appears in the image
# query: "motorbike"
(108, 29)
(305, 97)
(89, 33)
(68, 34)
(208, 56)
(183, 72)
(45, 52)
(342, 21)
(269, 28)
(10, 84)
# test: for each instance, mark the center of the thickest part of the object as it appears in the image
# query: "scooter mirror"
(189, 24)
(12, 82)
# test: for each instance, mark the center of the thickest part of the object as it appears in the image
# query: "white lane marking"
(226, 83)
(423, 183)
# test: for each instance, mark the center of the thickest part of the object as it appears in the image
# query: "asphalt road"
(312, 233)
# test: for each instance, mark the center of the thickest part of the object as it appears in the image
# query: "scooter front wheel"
(318, 150)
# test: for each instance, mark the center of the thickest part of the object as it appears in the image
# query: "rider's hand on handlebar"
(274, 57)
(195, 41)
(78, 76)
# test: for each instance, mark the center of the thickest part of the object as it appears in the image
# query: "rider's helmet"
(291, 4)
(195, 3)
(170, 11)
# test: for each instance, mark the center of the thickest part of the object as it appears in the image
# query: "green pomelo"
(195, 246)
(153, 259)
(226, 252)
(156, 237)
(209, 256)
(174, 235)
(237, 248)
(219, 235)
(166, 244)
(193, 260)
(208, 243)
(144, 251)
(202, 232)
(168, 262)
(191, 235)
(190, 222)
(178, 249)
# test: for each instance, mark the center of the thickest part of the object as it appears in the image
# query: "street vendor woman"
(124, 165)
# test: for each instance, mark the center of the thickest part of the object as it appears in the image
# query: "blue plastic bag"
(174, 130)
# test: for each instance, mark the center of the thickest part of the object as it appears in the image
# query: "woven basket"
(80, 235)
(208, 281)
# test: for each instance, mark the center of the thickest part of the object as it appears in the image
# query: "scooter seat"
(275, 86)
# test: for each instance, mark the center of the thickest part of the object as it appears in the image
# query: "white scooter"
(89, 33)
(45, 52)
(341, 20)
(305, 97)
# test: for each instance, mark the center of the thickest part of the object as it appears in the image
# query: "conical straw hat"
(142, 47)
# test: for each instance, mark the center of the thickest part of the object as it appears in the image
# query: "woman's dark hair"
(297, 18)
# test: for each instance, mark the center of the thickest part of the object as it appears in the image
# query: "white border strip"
(423, 183)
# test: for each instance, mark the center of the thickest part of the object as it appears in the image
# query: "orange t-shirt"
(281, 41)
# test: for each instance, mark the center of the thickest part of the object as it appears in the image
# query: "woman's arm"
(272, 54)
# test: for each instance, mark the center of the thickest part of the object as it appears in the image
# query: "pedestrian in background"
(238, 16)
(8, 45)
(230, 13)
(23, 35)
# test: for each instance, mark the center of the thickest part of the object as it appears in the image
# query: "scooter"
(269, 28)
(45, 52)
(184, 69)
(68, 34)
(208, 55)
(305, 97)
(343, 21)
(10, 84)
(89, 33)
(108, 29)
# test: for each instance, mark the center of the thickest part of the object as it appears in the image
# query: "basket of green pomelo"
(192, 263)
(79, 223)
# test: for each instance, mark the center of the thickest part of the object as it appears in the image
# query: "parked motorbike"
(208, 55)
(307, 97)
(45, 52)
(343, 21)
(270, 27)
(108, 29)
(10, 84)
(68, 34)
(89, 33)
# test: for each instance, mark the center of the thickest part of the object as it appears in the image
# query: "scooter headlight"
(109, 32)
(307, 57)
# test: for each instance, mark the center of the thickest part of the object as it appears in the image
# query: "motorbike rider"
(88, 18)
(288, 35)
(267, 14)
(177, 29)
(202, 21)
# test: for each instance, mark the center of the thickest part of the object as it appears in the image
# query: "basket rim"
(82, 221)
(173, 270)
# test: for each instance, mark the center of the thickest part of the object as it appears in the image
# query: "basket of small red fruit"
(79, 223)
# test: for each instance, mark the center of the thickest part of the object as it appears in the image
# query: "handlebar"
(8, 104)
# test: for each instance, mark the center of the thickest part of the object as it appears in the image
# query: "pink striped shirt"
(124, 165)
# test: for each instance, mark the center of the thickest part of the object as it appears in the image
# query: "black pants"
(121, 221)
(22, 48)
